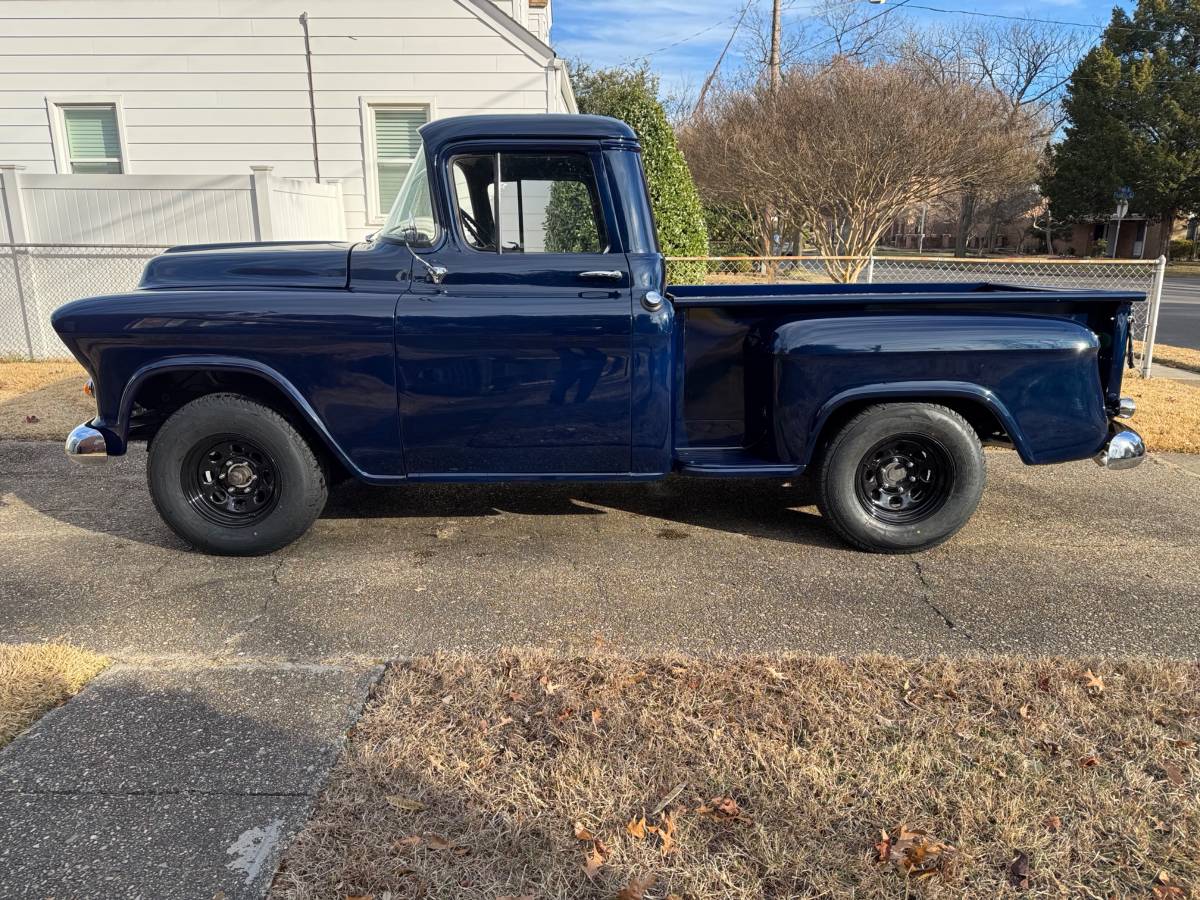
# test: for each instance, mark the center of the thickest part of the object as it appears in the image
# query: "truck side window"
(474, 189)
(549, 203)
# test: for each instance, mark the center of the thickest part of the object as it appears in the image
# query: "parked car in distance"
(511, 322)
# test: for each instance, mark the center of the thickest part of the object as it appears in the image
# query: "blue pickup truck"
(511, 322)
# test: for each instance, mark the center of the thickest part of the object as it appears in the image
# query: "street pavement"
(1062, 559)
(1179, 314)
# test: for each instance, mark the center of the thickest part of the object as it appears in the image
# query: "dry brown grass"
(466, 776)
(1168, 413)
(35, 678)
(1179, 357)
(42, 400)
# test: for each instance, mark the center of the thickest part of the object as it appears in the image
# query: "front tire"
(901, 477)
(233, 477)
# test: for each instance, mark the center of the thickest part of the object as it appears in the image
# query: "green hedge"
(632, 96)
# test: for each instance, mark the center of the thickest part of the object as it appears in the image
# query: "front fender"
(1039, 376)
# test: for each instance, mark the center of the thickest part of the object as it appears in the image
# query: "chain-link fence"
(36, 279)
(1068, 274)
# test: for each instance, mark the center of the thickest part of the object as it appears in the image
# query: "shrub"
(1183, 249)
(632, 96)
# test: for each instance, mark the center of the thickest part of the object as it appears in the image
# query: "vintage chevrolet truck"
(511, 322)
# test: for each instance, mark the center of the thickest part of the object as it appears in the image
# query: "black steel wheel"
(901, 477)
(231, 480)
(234, 477)
(905, 478)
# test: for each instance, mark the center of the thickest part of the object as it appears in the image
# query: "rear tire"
(901, 477)
(233, 477)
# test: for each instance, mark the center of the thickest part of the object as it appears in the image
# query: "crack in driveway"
(951, 625)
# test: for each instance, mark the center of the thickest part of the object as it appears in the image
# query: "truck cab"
(511, 322)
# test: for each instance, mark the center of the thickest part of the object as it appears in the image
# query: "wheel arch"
(982, 409)
(246, 376)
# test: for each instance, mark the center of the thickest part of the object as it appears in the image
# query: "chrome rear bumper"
(1124, 448)
(86, 445)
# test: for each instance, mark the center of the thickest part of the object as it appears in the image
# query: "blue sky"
(613, 32)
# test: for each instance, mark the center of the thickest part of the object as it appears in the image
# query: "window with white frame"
(91, 139)
(394, 145)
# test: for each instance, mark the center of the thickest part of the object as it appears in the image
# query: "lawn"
(35, 678)
(533, 775)
(42, 400)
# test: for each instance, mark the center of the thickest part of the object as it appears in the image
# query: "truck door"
(518, 361)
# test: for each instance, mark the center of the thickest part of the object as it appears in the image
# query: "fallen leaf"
(582, 833)
(637, 828)
(565, 713)
(1024, 711)
(916, 853)
(1089, 762)
(549, 687)
(1164, 887)
(883, 848)
(666, 833)
(721, 809)
(31, 420)
(514, 696)
(1052, 823)
(1018, 871)
(1050, 747)
(597, 716)
(1174, 774)
(413, 840)
(636, 889)
(406, 803)
(592, 864)
(1044, 684)
(440, 843)
(1092, 683)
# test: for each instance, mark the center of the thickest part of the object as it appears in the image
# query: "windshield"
(412, 210)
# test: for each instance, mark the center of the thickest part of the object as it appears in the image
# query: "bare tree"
(850, 147)
(1027, 64)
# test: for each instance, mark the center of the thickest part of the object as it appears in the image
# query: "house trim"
(58, 129)
(375, 215)
(518, 35)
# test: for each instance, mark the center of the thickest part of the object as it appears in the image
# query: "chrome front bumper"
(86, 445)
(1124, 448)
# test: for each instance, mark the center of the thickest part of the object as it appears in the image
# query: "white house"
(152, 113)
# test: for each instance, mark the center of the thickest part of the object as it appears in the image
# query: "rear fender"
(1038, 375)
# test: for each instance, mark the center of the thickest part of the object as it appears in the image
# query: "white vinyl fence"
(1145, 276)
(68, 236)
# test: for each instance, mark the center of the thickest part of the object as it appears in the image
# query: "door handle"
(611, 274)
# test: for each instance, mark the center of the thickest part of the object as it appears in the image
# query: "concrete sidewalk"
(172, 779)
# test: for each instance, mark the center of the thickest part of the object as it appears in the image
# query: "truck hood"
(307, 264)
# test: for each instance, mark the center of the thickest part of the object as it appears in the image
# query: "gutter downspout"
(312, 101)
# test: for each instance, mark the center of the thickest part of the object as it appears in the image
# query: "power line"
(837, 37)
(1012, 18)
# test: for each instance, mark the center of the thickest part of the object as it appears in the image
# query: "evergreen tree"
(1133, 114)
(632, 96)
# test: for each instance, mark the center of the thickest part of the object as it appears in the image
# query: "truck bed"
(761, 360)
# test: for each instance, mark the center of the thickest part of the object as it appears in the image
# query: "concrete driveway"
(1066, 559)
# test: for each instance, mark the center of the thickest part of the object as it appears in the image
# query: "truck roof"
(533, 125)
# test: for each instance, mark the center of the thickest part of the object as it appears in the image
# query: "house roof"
(509, 27)
(554, 126)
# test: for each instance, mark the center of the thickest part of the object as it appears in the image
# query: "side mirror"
(414, 237)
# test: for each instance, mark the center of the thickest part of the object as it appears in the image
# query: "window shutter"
(92, 132)
(396, 131)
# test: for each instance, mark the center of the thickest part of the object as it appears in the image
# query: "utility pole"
(776, 29)
(773, 75)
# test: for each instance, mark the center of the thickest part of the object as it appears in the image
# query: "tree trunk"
(966, 215)
(1168, 225)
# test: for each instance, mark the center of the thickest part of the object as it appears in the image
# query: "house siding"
(211, 87)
